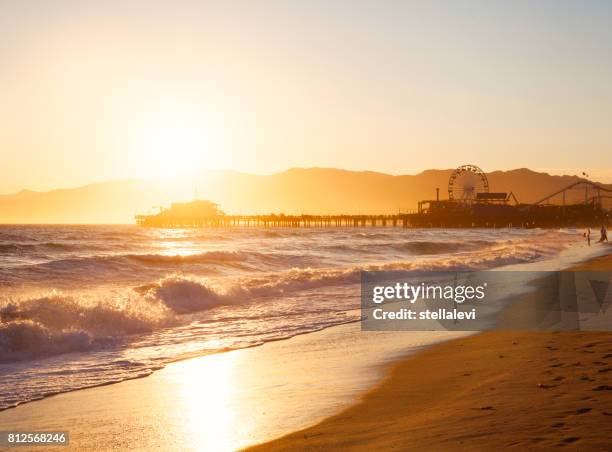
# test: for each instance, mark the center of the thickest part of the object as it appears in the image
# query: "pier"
(469, 204)
(278, 221)
(442, 215)
(206, 214)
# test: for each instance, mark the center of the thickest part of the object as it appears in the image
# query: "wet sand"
(526, 390)
(494, 390)
(226, 401)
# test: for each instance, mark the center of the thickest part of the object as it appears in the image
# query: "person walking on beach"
(587, 234)
(604, 234)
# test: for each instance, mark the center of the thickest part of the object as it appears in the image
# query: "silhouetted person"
(587, 234)
(604, 234)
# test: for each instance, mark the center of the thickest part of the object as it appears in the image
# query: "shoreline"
(257, 394)
(496, 389)
(226, 401)
(177, 359)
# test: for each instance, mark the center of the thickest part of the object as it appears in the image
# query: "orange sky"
(119, 89)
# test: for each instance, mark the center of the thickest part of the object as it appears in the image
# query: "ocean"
(82, 306)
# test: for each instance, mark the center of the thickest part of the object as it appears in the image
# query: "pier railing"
(282, 221)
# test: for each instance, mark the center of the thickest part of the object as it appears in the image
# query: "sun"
(176, 139)
(174, 146)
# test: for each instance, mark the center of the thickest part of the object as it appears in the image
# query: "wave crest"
(56, 324)
(185, 295)
(26, 339)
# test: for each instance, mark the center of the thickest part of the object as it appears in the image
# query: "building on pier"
(182, 213)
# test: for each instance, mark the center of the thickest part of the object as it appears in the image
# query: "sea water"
(82, 306)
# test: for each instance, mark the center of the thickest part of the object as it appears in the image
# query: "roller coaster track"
(581, 184)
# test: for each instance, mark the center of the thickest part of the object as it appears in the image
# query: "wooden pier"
(475, 216)
(276, 221)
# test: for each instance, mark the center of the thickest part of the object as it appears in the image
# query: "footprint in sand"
(570, 440)
(582, 410)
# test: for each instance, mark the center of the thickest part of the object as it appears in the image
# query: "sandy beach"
(494, 390)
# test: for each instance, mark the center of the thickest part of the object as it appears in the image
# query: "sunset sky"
(92, 91)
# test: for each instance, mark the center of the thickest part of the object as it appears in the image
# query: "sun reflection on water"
(206, 391)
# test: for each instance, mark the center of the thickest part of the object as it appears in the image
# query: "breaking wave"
(59, 324)
(25, 339)
(56, 324)
(185, 295)
(153, 306)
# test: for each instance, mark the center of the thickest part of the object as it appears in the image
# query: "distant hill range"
(311, 190)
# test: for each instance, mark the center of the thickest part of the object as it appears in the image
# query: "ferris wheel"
(466, 182)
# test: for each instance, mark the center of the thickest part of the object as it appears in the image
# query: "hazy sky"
(116, 89)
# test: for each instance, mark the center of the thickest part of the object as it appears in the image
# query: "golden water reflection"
(226, 401)
(232, 400)
(206, 390)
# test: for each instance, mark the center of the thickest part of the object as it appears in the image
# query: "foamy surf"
(109, 303)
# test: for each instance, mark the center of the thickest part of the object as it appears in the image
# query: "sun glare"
(176, 139)
(207, 394)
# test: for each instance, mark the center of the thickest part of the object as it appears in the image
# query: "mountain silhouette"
(295, 191)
